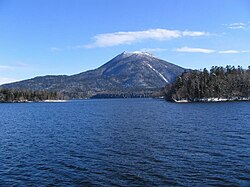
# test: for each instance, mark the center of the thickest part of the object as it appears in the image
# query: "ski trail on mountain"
(157, 72)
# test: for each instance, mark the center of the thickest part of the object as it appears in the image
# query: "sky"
(55, 37)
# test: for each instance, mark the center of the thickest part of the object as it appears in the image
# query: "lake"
(125, 142)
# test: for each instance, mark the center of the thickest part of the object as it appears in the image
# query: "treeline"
(227, 83)
(14, 95)
(127, 93)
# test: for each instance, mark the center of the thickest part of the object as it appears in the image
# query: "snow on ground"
(142, 53)
(212, 99)
(54, 101)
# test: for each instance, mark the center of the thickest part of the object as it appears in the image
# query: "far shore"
(42, 101)
(208, 100)
(184, 100)
(54, 101)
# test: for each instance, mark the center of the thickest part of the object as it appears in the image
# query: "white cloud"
(234, 51)
(118, 38)
(194, 33)
(204, 50)
(194, 50)
(239, 25)
(4, 80)
(229, 52)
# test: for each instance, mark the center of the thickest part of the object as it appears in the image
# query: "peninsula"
(218, 84)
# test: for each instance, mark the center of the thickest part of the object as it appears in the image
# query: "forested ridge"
(14, 95)
(126, 75)
(220, 83)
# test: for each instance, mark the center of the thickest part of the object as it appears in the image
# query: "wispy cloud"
(234, 51)
(4, 80)
(229, 52)
(13, 66)
(194, 33)
(5, 67)
(119, 38)
(21, 64)
(239, 25)
(194, 50)
(77, 47)
(208, 51)
(153, 49)
(60, 49)
(55, 49)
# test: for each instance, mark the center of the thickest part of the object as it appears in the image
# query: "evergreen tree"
(227, 83)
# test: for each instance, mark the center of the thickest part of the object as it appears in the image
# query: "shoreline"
(54, 101)
(184, 100)
(42, 101)
(210, 100)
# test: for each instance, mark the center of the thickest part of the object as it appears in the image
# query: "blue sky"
(46, 37)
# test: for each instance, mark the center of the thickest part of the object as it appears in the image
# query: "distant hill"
(133, 74)
(16, 96)
(220, 84)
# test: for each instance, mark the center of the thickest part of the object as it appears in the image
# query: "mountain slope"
(134, 73)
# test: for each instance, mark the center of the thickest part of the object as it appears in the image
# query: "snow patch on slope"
(142, 53)
(157, 72)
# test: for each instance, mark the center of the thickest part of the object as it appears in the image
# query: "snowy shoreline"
(54, 101)
(42, 101)
(214, 99)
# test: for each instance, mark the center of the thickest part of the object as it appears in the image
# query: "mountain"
(134, 74)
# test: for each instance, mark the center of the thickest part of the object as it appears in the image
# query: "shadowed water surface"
(125, 142)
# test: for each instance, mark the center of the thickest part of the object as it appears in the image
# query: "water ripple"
(129, 142)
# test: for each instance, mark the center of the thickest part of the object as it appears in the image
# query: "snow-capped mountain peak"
(141, 53)
(129, 72)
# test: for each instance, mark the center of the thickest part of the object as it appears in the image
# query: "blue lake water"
(125, 142)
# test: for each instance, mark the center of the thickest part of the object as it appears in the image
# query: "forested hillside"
(219, 83)
(131, 74)
(12, 95)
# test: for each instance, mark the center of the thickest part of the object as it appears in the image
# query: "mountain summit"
(128, 73)
(141, 69)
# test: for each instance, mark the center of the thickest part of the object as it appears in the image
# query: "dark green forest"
(228, 83)
(224, 83)
(14, 95)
